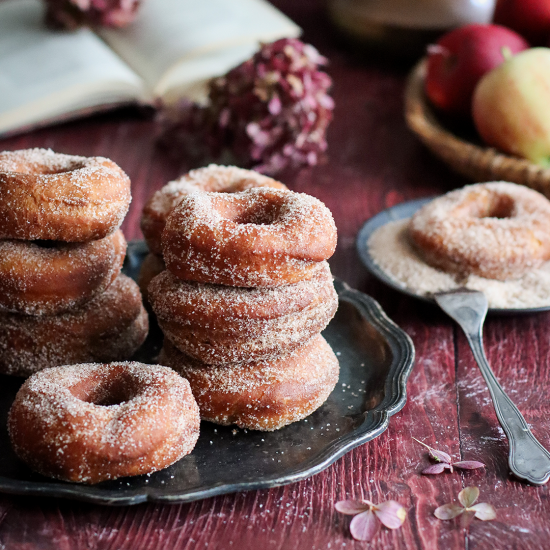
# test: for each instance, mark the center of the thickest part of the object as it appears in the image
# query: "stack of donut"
(63, 299)
(245, 294)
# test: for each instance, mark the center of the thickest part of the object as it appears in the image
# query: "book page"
(168, 34)
(44, 73)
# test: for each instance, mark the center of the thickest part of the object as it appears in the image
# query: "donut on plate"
(223, 324)
(266, 395)
(496, 230)
(213, 178)
(49, 277)
(260, 237)
(51, 196)
(92, 422)
(110, 327)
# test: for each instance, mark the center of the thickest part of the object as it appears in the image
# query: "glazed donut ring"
(260, 396)
(55, 197)
(110, 327)
(256, 238)
(93, 422)
(497, 230)
(222, 324)
(213, 178)
(47, 278)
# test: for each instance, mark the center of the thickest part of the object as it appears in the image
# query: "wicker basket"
(475, 162)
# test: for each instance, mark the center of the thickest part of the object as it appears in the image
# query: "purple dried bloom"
(445, 462)
(467, 509)
(270, 112)
(71, 14)
(368, 516)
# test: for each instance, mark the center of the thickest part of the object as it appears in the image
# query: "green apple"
(511, 106)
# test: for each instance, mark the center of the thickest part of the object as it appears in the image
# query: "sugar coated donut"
(223, 324)
(49, 277)
(213, 178)
(110, 327)
(93, 422)
(260, 396)
(51, 196)
(256, 238)
(497, 230)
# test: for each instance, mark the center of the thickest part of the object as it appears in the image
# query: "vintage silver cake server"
(527, 458)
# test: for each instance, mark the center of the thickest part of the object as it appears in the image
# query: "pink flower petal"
(440, 456)
(468, 496)
(364, 526)
(352, 507)
(448, 511)
(391, 514)
(484, 511)
(469, 465)
(435, 468)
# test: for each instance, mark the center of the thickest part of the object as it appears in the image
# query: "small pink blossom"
(368, 516)
(467, 509)
(444, 462)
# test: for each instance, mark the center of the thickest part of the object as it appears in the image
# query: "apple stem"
(506, 53)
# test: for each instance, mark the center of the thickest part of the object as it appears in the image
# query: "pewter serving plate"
(376, 358)
(400, 212)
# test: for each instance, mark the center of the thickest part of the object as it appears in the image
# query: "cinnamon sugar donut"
(110, 327)
(213, 178)
(256, 238)
(222, 324)
(260, 396)
(497, 230)
(93, 422)
(49, 277)
(51, 196)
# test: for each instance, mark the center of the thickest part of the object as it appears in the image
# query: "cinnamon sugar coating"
(212, 178)
(110, 327)
(496, 230)
(51, 196)
(266, 395)
(92, 422)
(261, 237)
(47, 278)
(221, 324)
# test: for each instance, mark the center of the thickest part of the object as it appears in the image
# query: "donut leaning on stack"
(246, 293)
(62, 297)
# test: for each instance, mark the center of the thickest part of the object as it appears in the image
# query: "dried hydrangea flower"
(444, 462)
(368, 516)
(268, 113)
(467, 509)
(71, 14)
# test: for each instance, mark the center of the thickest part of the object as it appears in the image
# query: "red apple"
(511, 106)
(460, 58)
(530, 18)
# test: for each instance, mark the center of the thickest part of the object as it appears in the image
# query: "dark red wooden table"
(374, 163)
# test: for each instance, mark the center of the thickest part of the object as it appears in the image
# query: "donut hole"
(259, 213)
(48, 169)
(106, 391)
(497, 206)
(46, 244)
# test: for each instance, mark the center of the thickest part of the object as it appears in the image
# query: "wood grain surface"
(373, 163)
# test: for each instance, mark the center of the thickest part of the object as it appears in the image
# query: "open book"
(170, 51)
